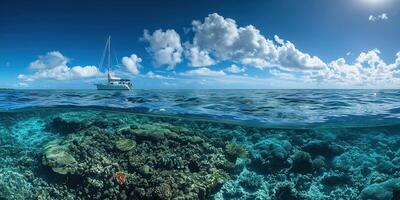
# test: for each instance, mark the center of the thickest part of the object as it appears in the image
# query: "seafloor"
(100, 154)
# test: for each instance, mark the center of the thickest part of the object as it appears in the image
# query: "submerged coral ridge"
(88, 154)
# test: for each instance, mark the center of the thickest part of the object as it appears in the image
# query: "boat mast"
(109, 58)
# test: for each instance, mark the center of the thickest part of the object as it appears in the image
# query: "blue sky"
(204, 44)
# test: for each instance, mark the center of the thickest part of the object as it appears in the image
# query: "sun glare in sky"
(375, 3)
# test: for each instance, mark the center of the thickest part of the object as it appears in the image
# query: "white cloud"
(374, 18)
(198, 58)
(53, 65)
(203, 72)
(153, 75)
(235, 69)
(282, 74)
(222, 39)
(289, 57)
(27, 78)
(368, 70)
(132, 63)
(279, 40)
(165, 47)
(398, 58)
(50, 60)
(22, 84)
(84, 72)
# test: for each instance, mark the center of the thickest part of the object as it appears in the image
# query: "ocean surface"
(200, 144)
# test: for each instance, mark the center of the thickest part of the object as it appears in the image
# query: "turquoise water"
(200, 144)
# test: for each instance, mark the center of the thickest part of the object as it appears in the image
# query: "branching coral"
(251, 181)
(171, 162)
(234, 151)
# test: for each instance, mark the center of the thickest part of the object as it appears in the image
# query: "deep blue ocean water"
(236, 144)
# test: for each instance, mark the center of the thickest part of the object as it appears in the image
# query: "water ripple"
(297, 107)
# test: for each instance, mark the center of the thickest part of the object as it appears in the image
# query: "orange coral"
(120, 177)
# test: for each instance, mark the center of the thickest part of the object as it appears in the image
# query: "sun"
(375, 3)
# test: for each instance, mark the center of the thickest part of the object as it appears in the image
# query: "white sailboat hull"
(113, 87)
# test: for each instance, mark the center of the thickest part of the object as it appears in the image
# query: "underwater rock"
(125, 144)
(386, 166)
(333, 180)
(319, 163)
(322, 148)
(151, 132)
(387, 190)
(302, 163)
(196, 140)
(145, 170)
(60, 125)
(57, 156)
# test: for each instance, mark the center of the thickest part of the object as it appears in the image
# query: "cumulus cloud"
(235, 69)
(53, 65)
(132, 63)
(282, 74)
(203, 72)
(50, 60)
(222, 39)
(368, 69)
(165, 47)
(198, 58)
(375, 18)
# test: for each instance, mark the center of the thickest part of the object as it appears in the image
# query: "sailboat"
(113, 83)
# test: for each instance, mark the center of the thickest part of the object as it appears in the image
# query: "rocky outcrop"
(125, 144)
(388, 190)
(58, 157)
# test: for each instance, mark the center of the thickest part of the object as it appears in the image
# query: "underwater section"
(82, 153)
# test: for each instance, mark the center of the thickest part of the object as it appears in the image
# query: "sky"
(274, 44)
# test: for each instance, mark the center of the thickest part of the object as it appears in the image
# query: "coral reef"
(382, 191)
(322, 148)
(234, 151)
(125, 144)
(120, 177)
(90, 154)
(285, 191)
(14, 185)
(58, 157)
(271, 155)
(63, 126)
(147, 161)
(251, 181)
(302, 163)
